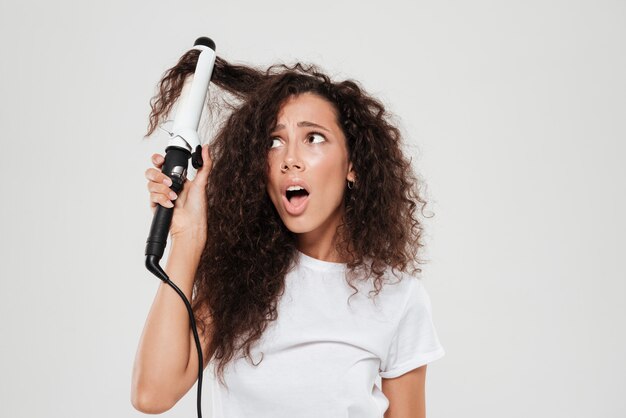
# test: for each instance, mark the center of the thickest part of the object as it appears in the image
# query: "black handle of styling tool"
(175, 167)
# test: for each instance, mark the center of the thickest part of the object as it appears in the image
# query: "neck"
(321, 243)
(322, 250)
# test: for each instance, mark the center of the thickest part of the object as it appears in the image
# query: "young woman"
(298, 240)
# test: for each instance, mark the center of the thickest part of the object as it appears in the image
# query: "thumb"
(202, 175)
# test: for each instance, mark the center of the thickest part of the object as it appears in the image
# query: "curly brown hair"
(240, 276)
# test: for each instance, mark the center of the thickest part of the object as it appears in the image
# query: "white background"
(514, 113)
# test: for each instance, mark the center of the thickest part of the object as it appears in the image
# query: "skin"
(406, 394)
(319, 156)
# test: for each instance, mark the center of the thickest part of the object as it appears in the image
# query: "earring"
(350, 184)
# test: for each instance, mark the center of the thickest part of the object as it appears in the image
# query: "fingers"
(161, 189)
(156, 176)
(151, 174)
(159, 185)
(157, 160)
(161, 200)
(161, 194)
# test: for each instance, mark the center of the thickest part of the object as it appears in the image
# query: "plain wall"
(514, 113)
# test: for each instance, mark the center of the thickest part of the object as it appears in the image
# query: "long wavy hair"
(248, 252)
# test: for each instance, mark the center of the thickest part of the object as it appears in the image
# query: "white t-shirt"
(323, 357)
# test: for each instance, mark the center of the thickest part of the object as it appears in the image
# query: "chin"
(298, 227)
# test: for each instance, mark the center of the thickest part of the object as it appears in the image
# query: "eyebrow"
(301, 124)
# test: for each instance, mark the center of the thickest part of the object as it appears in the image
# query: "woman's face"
(309, 150)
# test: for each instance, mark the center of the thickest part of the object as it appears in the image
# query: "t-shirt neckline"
(318, 264)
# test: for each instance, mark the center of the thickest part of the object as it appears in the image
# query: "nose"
(291, 160)
(290, 165)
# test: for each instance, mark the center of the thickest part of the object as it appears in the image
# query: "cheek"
(273, 165)
(331, 167)
(272, 183)
(331, 181)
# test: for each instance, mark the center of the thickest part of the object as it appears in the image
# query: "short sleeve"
(415, 341)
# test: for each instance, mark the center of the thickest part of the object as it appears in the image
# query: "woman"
(304, 208)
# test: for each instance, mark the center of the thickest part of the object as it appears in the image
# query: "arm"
(406, 394)
(166, 363)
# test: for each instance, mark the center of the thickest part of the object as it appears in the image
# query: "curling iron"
(184, 144)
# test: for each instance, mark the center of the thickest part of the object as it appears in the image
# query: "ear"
(351, 176)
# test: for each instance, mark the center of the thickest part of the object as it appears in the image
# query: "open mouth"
(297, 196)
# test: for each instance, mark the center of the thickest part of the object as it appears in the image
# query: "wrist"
(192, 242)
(183, 261)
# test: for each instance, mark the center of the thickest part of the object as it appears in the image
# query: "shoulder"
(401, 284)
(408, 294)
(395, 291)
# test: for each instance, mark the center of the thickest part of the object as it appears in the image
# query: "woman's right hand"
(190, 206)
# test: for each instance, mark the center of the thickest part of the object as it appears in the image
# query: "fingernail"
(167, 181)
(170, 204)
(173, 195)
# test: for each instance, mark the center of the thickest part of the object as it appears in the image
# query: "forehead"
(308, 106)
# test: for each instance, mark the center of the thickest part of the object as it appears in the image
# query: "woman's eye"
(275, 142)
(318, 135)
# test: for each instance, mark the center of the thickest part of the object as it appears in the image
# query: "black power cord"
(152, 264)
